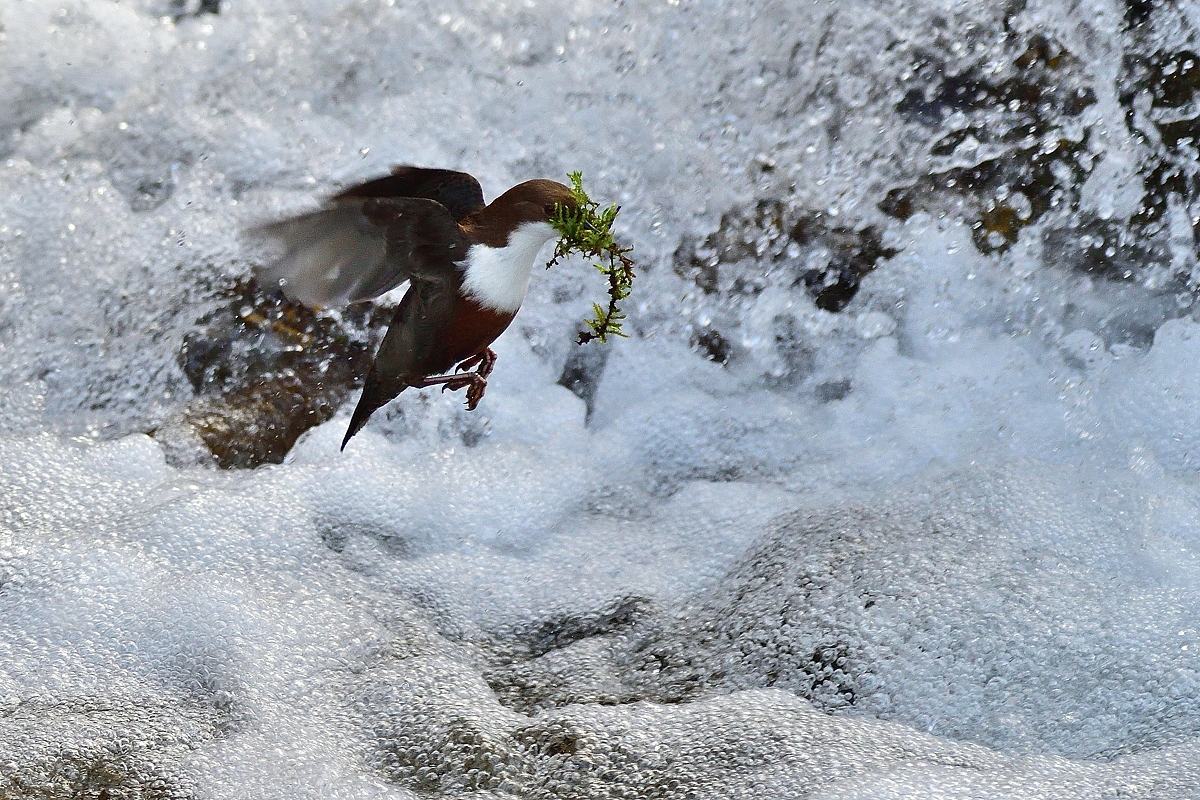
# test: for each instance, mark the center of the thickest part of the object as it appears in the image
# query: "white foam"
(345, 625)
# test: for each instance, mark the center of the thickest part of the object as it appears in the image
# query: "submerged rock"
(85, 748)
(1012, 147)
(847, 609)
(751, 274)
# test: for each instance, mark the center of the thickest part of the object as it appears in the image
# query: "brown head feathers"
(531, 201)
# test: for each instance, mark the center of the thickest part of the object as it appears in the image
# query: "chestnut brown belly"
(470, 330)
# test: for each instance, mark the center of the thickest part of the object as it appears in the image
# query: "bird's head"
(535, 201)
(529, 204)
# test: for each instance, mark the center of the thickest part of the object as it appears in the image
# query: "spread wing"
(360, 247)
(457, 191)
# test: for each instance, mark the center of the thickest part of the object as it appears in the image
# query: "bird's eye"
(550, 208)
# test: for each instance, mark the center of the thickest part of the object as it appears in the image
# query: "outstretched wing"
(459, 192)
(361, 247)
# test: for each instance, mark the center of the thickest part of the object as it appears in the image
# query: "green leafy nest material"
(587, 230)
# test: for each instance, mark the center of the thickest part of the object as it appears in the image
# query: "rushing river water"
(891, 492)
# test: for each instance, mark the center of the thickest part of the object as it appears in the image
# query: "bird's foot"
(475, 392)
(486, 361)
(473, 382)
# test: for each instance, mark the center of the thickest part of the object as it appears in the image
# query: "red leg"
(470, 362)
(453, 382)
(474, 382)
(486, 361)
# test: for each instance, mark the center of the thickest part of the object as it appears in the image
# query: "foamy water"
(942, 542)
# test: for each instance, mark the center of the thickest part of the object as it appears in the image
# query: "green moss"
(587, 230)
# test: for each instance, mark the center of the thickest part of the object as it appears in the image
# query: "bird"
(468, 265)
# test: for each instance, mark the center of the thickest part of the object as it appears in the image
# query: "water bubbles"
(586, 588)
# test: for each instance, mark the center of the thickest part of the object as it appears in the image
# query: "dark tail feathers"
(374, 397)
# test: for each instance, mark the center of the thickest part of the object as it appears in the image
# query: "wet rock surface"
(774, 244)
(1010, 143)
(745, 279)
(1016, 144)
(82, 749)
(265, 370)
(1028, 145)
(1160, 94)
(771, 622)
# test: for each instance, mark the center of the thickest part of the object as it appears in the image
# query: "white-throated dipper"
(468, 265)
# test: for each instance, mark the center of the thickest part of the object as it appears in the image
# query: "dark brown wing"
(457, 191)
(429, 247)
(359, 248)
(404, 354)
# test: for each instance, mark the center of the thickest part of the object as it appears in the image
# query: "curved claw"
(474, 382)
(485, 361)
(475, 393)
(455, 385)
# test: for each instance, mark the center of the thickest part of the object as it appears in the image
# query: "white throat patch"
(498, 277)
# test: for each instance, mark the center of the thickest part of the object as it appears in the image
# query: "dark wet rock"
(1029, 93)
(833, 280)
(1009, 156)
(712, 345)
(832, 390)
(750, 278)
(265, 370)
(1137, 12)
(1011, 151)
(583, 369)
(1003, 195)
(772, 242)
(1161, 94)
(1172, 78)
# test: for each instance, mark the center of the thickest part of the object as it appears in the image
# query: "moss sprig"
(587, 230)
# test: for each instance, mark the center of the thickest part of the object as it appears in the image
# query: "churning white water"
(937, 538)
